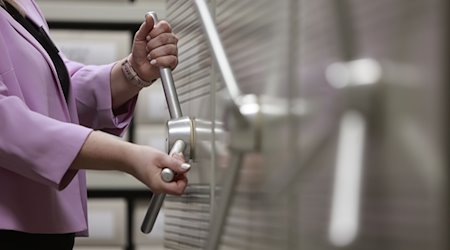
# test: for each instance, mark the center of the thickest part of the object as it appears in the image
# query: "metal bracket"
(182, 129)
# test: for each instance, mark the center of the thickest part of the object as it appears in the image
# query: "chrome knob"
(167, 175)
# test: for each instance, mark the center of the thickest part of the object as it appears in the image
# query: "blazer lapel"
(23, 32)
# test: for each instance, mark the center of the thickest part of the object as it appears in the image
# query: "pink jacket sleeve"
(35, 146)
(92, 89)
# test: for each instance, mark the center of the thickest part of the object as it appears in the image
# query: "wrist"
(140, 163)
(132, 76)
(132, 161)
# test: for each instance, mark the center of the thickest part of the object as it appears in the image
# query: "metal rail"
(167, 174)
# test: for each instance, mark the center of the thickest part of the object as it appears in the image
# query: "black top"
(41, 36)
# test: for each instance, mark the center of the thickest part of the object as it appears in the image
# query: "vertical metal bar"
(157, 199)
(226, 195)
(345, 208)
(173, 104)
(346, 39)
(294, 93)
(213, 113)
(152, 212)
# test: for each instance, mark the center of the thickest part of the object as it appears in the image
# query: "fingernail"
(149, 57)
(148, 38)
(176, 154)
(153, 62)
(186, 166)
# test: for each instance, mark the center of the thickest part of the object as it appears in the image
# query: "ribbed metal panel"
(187, 218)
(255, 36)
(192, 76)
(311, 182)
(255, 39)
(282, 49)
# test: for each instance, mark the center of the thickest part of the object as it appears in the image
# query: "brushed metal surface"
(282, 49)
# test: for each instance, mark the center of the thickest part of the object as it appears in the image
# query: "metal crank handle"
(168, 84)
(179, 146)
(167, 175)
(157, 199)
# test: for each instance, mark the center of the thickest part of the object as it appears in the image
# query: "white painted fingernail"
(153, 62)
(176, 154)
(186, 166)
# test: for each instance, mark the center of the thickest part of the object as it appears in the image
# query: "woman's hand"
(154, 46)
(149, 165)
(102, 151)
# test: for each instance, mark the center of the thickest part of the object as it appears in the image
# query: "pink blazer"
(40, 134)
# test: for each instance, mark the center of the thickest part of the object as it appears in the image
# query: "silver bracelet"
(131, 75)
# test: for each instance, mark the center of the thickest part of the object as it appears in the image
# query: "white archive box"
(153, 240)
(114, 1)
(93, 47)
(151, 106)
(107, 224)
(150, 247)
(97, 248)
(104, 180)
(151, 135)
(105, 11)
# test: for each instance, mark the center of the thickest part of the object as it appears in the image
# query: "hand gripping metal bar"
(175, 112)
(157, 199)
(168, 84)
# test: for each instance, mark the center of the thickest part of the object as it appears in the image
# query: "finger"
(163, 39)
(145, 29)
(169, 61)
(176, 187)
(160, 27)
(178, 156)
(166, 50)
(176, 165)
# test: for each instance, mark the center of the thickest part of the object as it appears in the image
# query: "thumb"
(145, 28)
